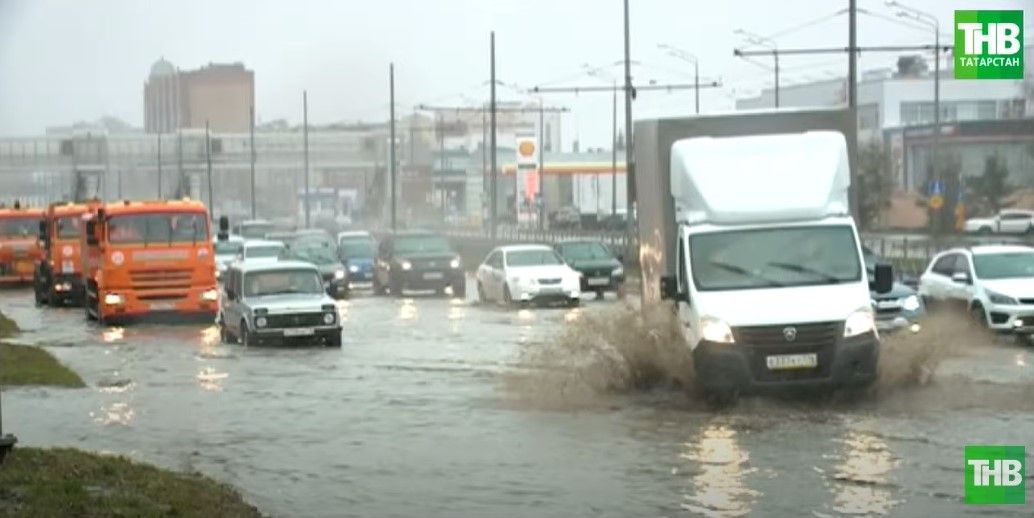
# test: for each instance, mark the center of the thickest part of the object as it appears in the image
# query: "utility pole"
(179, 160)
(614, 153)
(495, 172)
(159, 165)
(305, 144)
(391, 155)
(852, 56)
(251, 146)
(771, 44)
(630, 194)
(542, 165)
(689, 58)
(208, 162)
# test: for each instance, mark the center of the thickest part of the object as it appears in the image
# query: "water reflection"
(572, 315)
(722, 465)
(1021, 360)
(116, 413)
(457, 312)
(343, 307)
(210, 337)
(211, 380)
(860, 483)
(113, 334)
(407, 311)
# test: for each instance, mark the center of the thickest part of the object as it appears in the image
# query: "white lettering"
(1004, 472)
(979, 470)
(1008, 38)
(1011, 473)
(969, 33)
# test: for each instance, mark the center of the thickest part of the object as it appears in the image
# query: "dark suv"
(417, 260)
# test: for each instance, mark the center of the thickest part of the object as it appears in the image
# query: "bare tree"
(988, 191)
(875, 183)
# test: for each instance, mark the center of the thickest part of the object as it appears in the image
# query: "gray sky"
(63, 61)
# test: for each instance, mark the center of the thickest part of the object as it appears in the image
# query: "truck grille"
(160, 279)
(295, 320)
(762, 341)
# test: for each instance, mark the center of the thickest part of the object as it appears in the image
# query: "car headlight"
(260, 322)
(339, 274)
(859, 322)
(455, 263)
(910, 303)
(618, 272)
(353, 268)
(715, 330)
(998, 298)
(406, 265)
(218, 274)
(210, 295)
(328, 318)
(114, 299)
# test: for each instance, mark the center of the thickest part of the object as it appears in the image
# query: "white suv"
(996, 284)
(1006, 222)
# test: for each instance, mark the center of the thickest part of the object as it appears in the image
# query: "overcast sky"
(63, 61)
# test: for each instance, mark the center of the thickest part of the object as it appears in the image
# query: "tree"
(875, 182)
(988, 191)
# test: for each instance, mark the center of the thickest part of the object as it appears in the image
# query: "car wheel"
(378, 288)
(507, 298)
(978, 315)
(39, 296)
(599, 294)
(481, 293)
(984, 231)
(246, 339)
(397, 286)
(335, 340)
(573, 303)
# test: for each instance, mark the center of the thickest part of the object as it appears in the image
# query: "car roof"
(581, 240)
(261, 242)
(523, 248)
(998, 249)
(353, 233)
(255, 222)
(1016, 211)
(247, 267)
(233, 238)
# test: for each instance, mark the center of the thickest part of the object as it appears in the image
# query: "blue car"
(357, 250)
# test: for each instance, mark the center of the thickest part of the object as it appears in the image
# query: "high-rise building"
(221, 94)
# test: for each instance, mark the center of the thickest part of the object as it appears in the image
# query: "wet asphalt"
(411, 417)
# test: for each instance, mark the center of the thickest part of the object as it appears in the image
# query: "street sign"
(936, 202)
(937, 187)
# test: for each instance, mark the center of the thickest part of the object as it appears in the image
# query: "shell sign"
(526, 149)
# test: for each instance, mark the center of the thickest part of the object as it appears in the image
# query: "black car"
(417, 260)
(600, 269)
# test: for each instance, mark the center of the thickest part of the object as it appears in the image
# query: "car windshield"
(228, 247)
(760, 258)
(357, 249)
(421, 244)
(69, 227)
(23, 226)
(262, 251)
(1011, 265)
(544, 257)
(156, 228)
(275, 282)
(313, 254)
(585, 251)
(255, 230)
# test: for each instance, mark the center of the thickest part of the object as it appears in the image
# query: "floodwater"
(442, 408)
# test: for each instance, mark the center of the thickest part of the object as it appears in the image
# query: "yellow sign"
(936, 202)
(527, 148)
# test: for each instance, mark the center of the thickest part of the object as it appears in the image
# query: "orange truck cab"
(58, 277)
(19, 249)
(149, 259)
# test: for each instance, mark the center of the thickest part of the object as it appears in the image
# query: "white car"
(261, 252)
(995, 283)
(1006, 222)
(226, 252)
(526, 274)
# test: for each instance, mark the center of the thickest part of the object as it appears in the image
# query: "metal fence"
(911, 253)
(617, 240)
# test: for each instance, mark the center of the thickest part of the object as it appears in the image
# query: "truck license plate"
(161, 306)
(599, 281)
(792, 361)
(433, 276)
(301, 331)
(67, 267)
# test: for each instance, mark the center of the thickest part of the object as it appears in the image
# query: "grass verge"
(66, 482)
(28, 365)
(7, 326)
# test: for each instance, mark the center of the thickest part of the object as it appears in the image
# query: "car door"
(494, 275)
(934, 283)
(484, 273)
(961, 291)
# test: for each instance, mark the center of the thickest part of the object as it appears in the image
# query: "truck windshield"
(774, 257)
(532, 258)
(276, 282)
(421, 244)
(157, 228)
(1010, 265)
(69, 227)
(23, 226)
(585, 251)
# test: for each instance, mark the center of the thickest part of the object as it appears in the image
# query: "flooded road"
(414, 416)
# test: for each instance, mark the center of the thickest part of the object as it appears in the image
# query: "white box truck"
(767, 271)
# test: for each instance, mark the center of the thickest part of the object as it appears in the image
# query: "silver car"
(283, 302)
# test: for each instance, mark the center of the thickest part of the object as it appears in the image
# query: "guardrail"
(529, 235)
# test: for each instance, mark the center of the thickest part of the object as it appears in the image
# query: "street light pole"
(542, 164)
(689, 58)
(251, 146)
(630, 193)
(614, 153)
(391, 124)
(494, 193)
(305, 144)
(208, 168)
(757, 39)
(159, 166)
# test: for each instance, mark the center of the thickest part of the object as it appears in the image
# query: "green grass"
(28, 365)
(65, 482)
(7, 327)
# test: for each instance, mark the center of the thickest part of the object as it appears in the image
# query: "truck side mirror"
(230, 294)
(883, 278)
(224, 228)
(669, 287)
(91, 233)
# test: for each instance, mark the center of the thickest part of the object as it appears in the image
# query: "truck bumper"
(174, 307)
(67, 288)
(743, 368)
(16, 272)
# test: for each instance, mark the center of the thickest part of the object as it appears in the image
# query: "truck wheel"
(39, 296)
(720, 397)
(397, 286)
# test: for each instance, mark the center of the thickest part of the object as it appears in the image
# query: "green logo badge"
(995, 475)
(988, 44)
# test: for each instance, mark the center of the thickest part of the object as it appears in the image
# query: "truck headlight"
(210, 295)
(114, 299)
(910, 303)
(328, 318)
(618, 272)
(455, 263)
(859, 322)
(406, 265)
(218, 274)
(261, 322)
(339, 274)
(998, 298)
(353, 268)
(715, 330)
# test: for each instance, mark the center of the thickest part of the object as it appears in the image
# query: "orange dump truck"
(19, 249)
(58, 278)
(149, 259)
